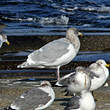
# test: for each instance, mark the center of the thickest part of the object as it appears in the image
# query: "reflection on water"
(89, 56)
(9, 62)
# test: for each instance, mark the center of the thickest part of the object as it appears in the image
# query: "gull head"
(45, 83)
(3, 38)
(73, 32)
(102, 62)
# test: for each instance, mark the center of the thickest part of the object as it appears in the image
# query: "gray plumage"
(65, 81)
(34, 99)
(93, 75)
(48, 54)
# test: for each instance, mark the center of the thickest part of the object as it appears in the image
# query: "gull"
(101, 74)
(56, 53)
(84, 101)
(76, 81)
(37, 98)
(98, 73)
(3, 38)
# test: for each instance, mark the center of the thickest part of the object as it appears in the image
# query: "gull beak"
(80, 34)
(85, 81)
(8, 43)
(107, 65)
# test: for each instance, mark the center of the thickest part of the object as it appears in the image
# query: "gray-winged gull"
(3, 38)
(98, 73)
(76, 81)
(56, 53)
(37, 98)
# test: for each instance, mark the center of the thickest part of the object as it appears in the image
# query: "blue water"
(37, 16)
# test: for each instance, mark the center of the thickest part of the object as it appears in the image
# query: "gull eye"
(100, 62)
(76, 32)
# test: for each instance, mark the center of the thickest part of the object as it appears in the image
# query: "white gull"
(101, 73)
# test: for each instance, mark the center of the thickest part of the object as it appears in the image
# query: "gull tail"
(65, 80)
(62, 82)
(14, 106)
(8, 108)
(23, 65)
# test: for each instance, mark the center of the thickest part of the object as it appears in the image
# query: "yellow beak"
(8, 43)
(80, 34)
(107, 65)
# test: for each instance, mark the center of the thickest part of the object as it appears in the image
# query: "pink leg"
(58, 73)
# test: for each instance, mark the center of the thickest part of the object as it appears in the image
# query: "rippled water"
(82, 56)
(25, 16)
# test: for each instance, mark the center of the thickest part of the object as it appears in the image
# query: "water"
(33, 23)
(27, 16)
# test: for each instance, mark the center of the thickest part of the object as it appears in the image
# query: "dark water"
(91, 56)
(10, 60)
(38, 17)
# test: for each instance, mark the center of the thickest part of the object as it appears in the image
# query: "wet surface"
(12, 88)
(31, 24)
(14, 81)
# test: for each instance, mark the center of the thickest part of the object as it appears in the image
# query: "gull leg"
(58, 73)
